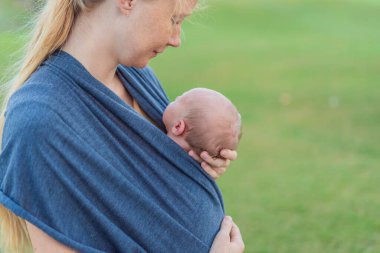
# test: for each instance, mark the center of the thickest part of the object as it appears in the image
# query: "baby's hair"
(201, 120)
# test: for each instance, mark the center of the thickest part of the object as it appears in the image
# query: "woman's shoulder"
(39, 102)
(28, 122)
(42, 89)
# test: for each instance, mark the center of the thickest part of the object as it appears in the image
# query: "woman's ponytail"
(52, 28)
(51, 31)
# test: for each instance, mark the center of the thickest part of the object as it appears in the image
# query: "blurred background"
(305, 75)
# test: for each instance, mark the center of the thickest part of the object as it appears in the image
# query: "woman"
(74, 56)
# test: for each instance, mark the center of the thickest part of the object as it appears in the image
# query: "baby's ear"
(179, 127)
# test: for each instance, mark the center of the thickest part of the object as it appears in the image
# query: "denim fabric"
(82, 165)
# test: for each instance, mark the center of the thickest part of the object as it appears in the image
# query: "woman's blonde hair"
(52, 27)
(51, 30)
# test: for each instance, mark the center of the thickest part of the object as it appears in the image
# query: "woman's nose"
(175, 39)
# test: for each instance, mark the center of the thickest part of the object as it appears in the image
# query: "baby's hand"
(215, 167)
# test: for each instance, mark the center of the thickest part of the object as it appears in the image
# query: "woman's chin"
(139, 61)
(137, 64)
(140, 66)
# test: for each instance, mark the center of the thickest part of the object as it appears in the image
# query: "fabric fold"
(82, 165)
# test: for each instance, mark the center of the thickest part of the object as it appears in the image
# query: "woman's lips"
(155, 53)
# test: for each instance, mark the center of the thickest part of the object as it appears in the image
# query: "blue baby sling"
(86, 168)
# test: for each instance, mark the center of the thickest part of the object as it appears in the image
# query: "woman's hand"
(228, 239)
(215, 167)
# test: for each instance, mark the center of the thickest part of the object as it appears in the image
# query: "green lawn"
(12, 24)
(305, 76)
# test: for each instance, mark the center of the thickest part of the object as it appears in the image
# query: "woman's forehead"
(185, 8)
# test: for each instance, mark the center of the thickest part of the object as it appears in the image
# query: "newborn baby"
(203, 120)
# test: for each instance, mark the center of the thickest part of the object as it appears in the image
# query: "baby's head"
(203, 119)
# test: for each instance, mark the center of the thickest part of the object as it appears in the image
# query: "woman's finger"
(209, 170)
(237, 243)
(220, 170)
(236, 234)
(195, 156)
(229, 154)
(226, 227)
(213, 162)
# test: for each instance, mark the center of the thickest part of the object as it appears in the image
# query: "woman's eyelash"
(176, 21)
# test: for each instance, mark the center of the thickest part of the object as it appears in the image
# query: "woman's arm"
(228, 240)
(43, 243)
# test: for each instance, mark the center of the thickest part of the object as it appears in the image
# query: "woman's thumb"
(226, 226)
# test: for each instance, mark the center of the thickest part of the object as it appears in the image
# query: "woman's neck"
(93, 49)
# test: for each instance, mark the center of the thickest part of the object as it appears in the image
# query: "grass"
(13, 17)
(305, 76)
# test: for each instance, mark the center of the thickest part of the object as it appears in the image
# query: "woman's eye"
(175, 21)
